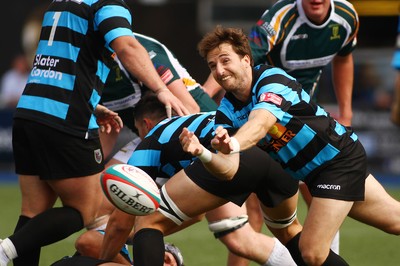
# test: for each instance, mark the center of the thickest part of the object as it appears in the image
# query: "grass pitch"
(360, 245)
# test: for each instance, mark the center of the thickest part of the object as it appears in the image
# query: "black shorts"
(257, 173)
(79, 261)
(52, 154)
(343, 178)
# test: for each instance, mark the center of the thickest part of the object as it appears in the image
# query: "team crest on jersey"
(335, 32)
(98, 156)
(270, 97)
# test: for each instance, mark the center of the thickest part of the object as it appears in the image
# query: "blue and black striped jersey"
(304, 137)
(160, 154)
(69, 68)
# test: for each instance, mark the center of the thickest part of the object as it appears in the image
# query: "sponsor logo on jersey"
(270, 97)
(280, 136)
(165, 73)
(335, 32)
(267, 27)
(299, 37)
(45, 62)
(329, 187)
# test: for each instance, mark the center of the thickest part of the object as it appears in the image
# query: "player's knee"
(313, 254)
(170, 210)
(84, 244)
(313, 258)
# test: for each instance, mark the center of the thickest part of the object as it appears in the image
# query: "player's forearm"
(343, 78)
(116, 234)
(223, 166)
(260, 121)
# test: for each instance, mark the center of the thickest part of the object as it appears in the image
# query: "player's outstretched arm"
(136, 60)
(221, 165)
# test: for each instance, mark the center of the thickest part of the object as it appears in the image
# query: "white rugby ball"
(130, 189)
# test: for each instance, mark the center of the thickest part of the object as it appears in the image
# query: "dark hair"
(233, 36)
(150, 106)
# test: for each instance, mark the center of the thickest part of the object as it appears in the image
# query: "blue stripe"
(170, 129)
(59, 49)
(115, 33)
(339, 129)
(110, 11)
(325, 155)
(68, 20)
(169, 169)
(305, 96)
(93, 101)
(53, 78)
(354, 136)
(207, 129)
(195, 124)
(102, 71)
(43, 105)
(185, 163)
(302, 138)
(150, 158)
(320, 112)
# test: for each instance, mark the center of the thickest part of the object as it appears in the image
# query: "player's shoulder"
(346, 10)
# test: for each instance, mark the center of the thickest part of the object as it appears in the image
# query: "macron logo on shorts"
(328, 187)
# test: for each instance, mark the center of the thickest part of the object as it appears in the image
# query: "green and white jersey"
(284, 37)
(165, 62)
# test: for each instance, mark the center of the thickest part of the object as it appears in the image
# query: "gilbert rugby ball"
(130, 189)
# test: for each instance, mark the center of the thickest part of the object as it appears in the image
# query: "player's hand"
(222, 141)
(190, 142)
(107, 120)
(171, 103)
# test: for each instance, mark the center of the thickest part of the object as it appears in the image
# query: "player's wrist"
(235, 145)
(161, 90)
(205, 156)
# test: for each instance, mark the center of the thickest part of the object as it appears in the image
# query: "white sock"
(335, 243)
(280, 256)
(3, 257)
(9, 249)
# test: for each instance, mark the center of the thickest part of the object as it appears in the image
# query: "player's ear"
(148, 123)
(169, 259)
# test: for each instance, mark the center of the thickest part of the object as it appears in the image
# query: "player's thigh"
(323, 220)
(37, 195)
(189, 197)
(379, 209)
(81, 193)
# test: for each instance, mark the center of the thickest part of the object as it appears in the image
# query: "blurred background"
(180, 24)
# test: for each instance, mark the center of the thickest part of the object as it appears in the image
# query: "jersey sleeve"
(350, 17)
(113, 20)
(269, 30)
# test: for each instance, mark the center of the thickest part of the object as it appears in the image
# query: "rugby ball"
(130, 189)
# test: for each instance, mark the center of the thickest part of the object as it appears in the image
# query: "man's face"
(316, 10)
(228, 68)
